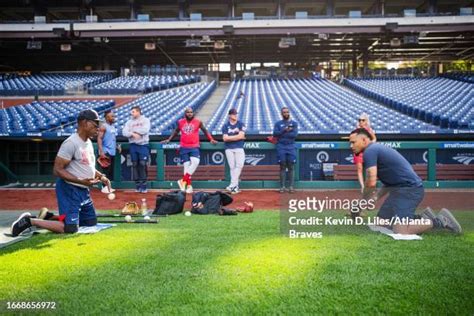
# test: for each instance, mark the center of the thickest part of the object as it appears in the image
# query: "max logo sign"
(392, 144)
(252, 145)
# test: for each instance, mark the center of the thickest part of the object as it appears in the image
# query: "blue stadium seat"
(320, 106)
(443, 102)
(163, 108)
(42, 116)
(141, 84)
(50, 83)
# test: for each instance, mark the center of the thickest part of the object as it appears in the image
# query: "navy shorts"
(139, 152)
(75, 204)
(401, 202)
(185, 154)
(286, 153)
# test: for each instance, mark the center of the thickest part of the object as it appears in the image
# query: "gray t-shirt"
(140, 125)
(81, 155)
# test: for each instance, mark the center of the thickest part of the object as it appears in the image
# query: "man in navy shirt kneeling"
(403, 185)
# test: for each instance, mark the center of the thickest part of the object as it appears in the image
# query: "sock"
(187, 178)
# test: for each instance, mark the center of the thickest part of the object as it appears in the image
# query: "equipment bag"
(170, 203)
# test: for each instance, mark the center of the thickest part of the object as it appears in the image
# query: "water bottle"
(144, 207)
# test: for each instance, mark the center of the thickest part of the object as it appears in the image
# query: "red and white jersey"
(189, 132)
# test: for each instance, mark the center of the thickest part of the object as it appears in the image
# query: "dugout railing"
(431, 152)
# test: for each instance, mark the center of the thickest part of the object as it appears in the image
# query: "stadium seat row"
(141, 84)
(439, 101)
(37, 117)
(50, 83)
(163, 108)
(461, 76)
(319, 105)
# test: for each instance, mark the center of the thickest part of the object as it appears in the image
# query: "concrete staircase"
(211, 105)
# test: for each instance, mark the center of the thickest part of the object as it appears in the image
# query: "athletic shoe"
(21, 224)
(105, 190)
(428, 214)
(282, 190)
(292, 190)
(144, 190)
(189, 189)
(235, 190)
(229, 188)
(45, 214)
(182, 185)
(448, 221)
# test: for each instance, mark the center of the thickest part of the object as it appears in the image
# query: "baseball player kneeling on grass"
(75, 167)
(403, 186)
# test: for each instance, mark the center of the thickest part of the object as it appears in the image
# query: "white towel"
(94, 229)
(390, 233)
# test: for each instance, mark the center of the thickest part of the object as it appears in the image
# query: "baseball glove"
(104, 162)
(130, 208)
(272, 139)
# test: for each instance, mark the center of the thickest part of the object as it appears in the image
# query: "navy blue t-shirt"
(285, 138)
(232, 130)
(393, 169)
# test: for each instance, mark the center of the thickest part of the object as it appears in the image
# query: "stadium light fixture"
(150, 46)
(423, 34)
(34, 44)
(288, 41)
(219, 45)
(323, 36)
(395, 42)
(66, 47)
(193, 42)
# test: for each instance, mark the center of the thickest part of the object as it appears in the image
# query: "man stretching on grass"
(189, 127)
(403, 185)
(75, 167)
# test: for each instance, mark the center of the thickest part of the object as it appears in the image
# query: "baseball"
(187, 213)
(111, 196)
(147, 218)
(128, 218)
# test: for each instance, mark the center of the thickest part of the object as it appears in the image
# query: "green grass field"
(241, 264)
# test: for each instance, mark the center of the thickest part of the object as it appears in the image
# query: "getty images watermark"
(313, 214)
